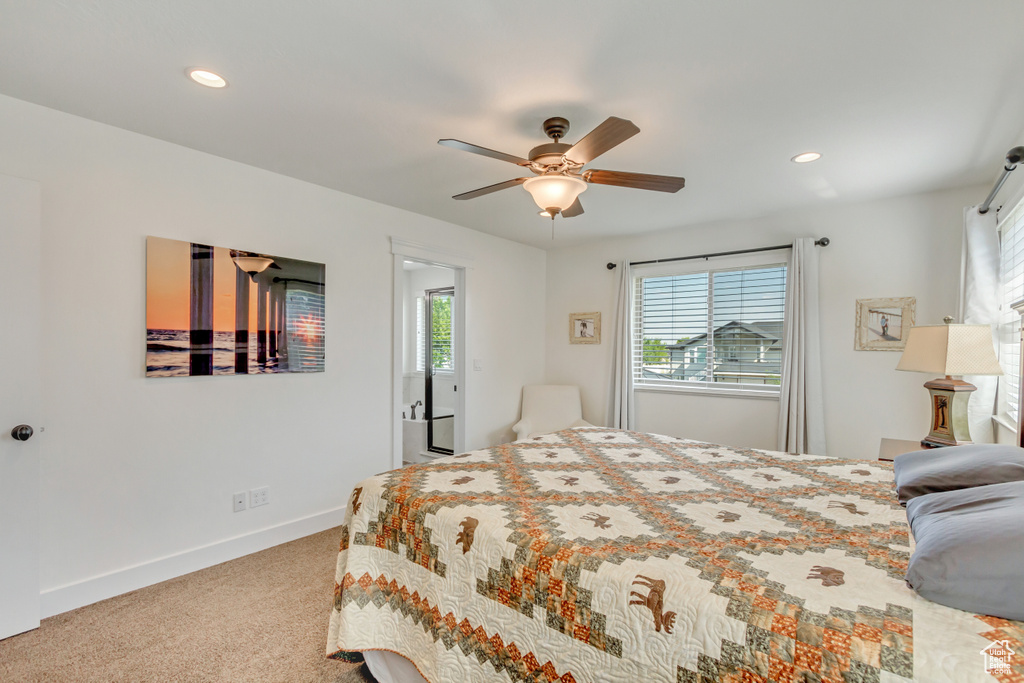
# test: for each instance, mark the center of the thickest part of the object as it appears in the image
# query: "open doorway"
(431, 352)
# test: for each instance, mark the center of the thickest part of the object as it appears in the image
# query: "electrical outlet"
(239, 501)
(260, 496)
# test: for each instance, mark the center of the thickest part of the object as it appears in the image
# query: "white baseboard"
(87, 591)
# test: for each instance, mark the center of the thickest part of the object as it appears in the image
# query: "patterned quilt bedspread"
(606, 555)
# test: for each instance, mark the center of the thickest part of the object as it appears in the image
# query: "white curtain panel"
(621, 408)
(801, 413)
(979, 305)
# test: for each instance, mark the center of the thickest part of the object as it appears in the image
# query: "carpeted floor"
(256, 619)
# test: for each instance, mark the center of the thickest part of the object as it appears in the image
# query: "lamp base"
(949, 399)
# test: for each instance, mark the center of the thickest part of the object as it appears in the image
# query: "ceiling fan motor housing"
(549, 153)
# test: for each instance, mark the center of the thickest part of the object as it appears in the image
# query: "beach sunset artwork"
(217, 311)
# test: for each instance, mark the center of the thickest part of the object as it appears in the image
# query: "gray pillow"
(970, 549)
(956, 467)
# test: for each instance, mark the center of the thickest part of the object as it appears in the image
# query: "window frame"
(689, 267)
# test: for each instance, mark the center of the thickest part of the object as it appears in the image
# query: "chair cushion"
(956, 467)
(969, 550)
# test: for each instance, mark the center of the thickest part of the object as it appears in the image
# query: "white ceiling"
(900, 96)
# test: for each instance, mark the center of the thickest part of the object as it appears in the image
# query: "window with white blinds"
(1011, 230)
(720, 328)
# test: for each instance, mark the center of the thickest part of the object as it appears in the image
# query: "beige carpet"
(258, 618)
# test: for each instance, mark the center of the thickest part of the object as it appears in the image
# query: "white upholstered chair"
(548, 408)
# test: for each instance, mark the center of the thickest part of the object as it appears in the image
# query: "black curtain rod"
(286, 280)
(822, 242)
(1013, 158)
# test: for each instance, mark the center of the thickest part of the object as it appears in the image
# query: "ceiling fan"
(558, 167)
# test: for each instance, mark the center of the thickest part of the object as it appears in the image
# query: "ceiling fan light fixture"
(554, 192)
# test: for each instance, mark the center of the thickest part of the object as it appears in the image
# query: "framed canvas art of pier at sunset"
(218, 311)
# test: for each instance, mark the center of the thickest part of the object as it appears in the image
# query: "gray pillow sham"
(956, 467)
(970, 549)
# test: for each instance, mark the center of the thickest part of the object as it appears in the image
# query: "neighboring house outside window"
(716, 328)
(749, 353)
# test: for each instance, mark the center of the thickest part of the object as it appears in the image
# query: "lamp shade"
(555, 192)
(252, 264)
(950, 350)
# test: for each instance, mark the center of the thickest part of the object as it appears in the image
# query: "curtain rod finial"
(823, 242)
(610, 266)
(1014, 156)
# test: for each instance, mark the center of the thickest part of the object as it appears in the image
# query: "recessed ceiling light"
(206, 77)
(806, 157)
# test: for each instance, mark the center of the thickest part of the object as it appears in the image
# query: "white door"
(20, 404)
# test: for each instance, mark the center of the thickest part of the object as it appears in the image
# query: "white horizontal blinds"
(711, 327)
(1011, 228)
(668, 310)
(747, 320)
(441, 332)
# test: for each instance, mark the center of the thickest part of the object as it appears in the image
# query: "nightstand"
(890, 448)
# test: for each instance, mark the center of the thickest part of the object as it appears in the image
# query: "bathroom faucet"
(413, 407)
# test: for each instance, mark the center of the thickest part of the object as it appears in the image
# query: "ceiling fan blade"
(640, 181)
(574, 209)
(598, 141)
(472, 194)
(483, 151)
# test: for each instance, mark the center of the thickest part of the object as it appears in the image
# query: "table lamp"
(950, 349)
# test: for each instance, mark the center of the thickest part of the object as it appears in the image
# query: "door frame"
(461, 265)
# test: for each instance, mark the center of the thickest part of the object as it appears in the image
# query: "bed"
(594, 554)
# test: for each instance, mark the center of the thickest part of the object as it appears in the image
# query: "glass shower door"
(439, 399)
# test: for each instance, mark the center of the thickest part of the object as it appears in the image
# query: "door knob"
(22, 432)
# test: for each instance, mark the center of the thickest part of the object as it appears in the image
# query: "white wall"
(907, 246)
(137, 474)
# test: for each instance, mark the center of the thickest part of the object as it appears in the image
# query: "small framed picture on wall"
(883, 324)
(584, 328)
